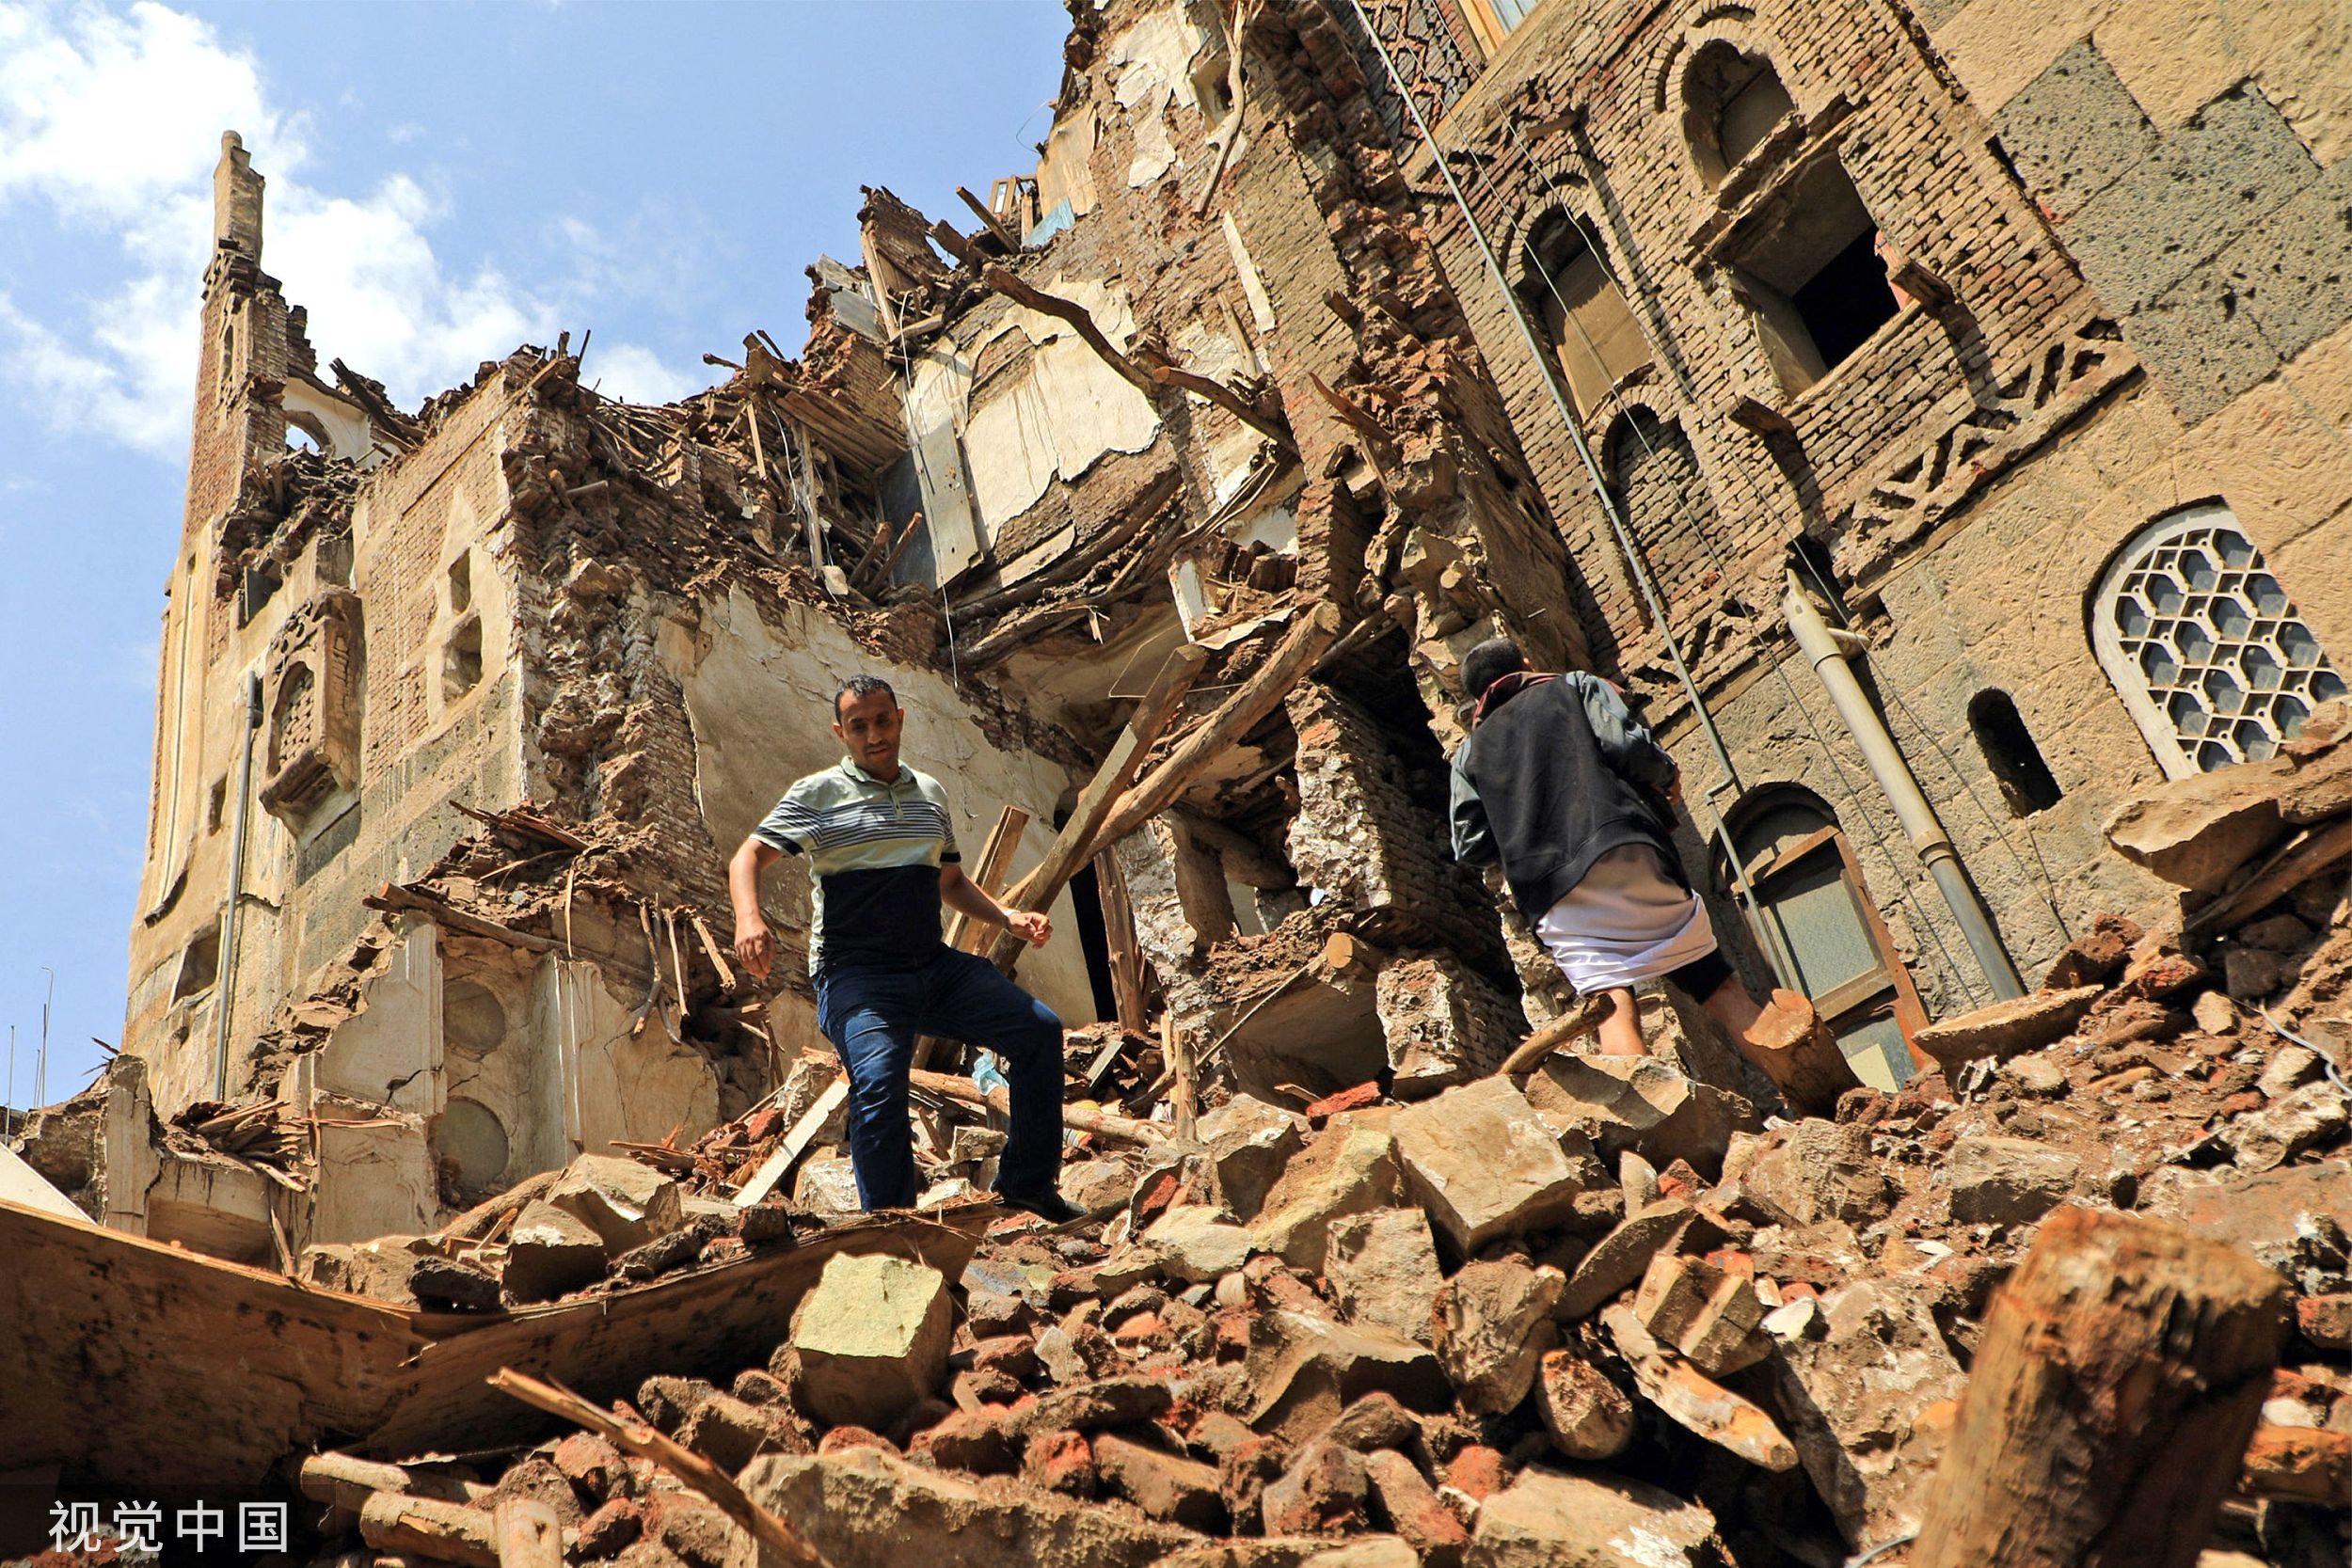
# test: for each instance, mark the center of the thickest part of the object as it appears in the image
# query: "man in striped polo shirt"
(884, 861)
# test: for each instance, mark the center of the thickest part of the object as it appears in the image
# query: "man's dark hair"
(1489, 662)
(863, 686)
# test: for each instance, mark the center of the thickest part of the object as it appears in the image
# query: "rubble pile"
(1599, 1312)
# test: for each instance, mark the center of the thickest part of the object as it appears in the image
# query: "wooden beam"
(426, 1526)
(1080, 838)
(989, 871)
(1540, 1046)
(1004, 282)
(1101, 1124)
(392, 897)
(953, 242)
(1118, 929)
(1005, 237)
(699, 1474)
(1170, 374)
(779, 1162)
(1257, 696)
(2119, 1376)
(527, 1533)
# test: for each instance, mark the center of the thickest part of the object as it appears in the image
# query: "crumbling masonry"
(1933, 413)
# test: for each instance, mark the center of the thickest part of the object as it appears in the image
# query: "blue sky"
(446, 180)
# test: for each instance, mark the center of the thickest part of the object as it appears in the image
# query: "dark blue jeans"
(872, 1017)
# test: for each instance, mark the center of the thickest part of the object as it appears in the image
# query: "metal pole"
(1782, 964)
(47, 997)
(224, 981)
(1827, 655)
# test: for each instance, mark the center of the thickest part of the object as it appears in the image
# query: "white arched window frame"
(2204, 644)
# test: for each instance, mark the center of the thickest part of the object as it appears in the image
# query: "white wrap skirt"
(1628, 921)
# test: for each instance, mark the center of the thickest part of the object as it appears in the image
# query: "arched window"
(1569, 288)
(1731, 100)
(2205, 647)
(1666, 502)
(1810, 273)
(1818, 917)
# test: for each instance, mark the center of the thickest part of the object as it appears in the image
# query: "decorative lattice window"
(2205, 645)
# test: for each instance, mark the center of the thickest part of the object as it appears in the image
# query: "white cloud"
(110, 123)
(634, 373)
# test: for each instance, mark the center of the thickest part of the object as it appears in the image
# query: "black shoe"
(1047, 1204)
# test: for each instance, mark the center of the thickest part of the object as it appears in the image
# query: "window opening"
(1731, 102)
(2025, 780)
(2204, 645)
(1812, 275)
(461, 660)
(1586, 319)
(1086, 902)
(461, 584)
(1495, 20)
(200, 965)
(1809, 888)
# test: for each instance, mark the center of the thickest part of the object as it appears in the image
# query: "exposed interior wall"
(757, 694)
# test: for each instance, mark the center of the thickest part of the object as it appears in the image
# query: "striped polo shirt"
(875, 850)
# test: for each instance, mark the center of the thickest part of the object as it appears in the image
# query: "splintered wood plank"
(2120, 1372)
(773, 1168)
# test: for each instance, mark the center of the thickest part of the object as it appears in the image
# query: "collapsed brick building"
(1932, 414)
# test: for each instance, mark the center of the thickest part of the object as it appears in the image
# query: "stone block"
(2209, 180)
(1197, 1244)
(549, 1252)
(1821, 1170)
(1707, 1314)
(1547, 1520)
(1443, 1023)
(1493, 1325)
(826, 1186)
(2008, 1180)
(1325, 1491)
(1618, 1258)
(1250, 1142)
(872, 1340)
(861, 1507)
(1351, 1170)
(1639, 1104)
(1587, 1414)
(1365, 1551)
(1482, 1164)
(622, 1202)
(1383, 1270)
(666, 1402)
(967, 1440)
(728, 1431)
(1165, 1485)
(2296, 274)
(2074, 129)
(1111, 1402)
(1302, 1371)
(2268, 1138)
(2195, 832)
(1405, 1502)
(1857, 1401)
(2200, 340)
(2000, 1030)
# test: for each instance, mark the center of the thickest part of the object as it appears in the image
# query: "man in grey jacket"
(1565, 787)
